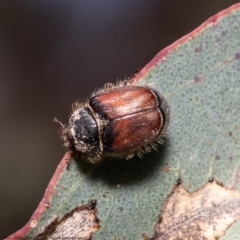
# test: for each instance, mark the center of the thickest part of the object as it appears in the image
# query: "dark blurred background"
(55, 52)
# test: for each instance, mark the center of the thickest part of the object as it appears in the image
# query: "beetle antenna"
(57, 121)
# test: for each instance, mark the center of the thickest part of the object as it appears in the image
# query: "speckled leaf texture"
(200, 77)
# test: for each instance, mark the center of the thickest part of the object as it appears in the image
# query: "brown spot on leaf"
(197, 79)
(204, 214)
(166, 169)
(210, 179)
(224, 33)
(198, 49)
(179, 181)
(237, 56)
(46, 205)
(81, 223)
(120, 209)
(145, 236)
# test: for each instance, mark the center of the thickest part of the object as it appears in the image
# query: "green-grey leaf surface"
(200, 77)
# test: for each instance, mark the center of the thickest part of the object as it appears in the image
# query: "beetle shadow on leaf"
(121, 171)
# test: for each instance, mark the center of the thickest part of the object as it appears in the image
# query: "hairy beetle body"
(117, 121)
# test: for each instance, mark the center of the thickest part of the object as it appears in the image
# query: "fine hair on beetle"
(117, 121)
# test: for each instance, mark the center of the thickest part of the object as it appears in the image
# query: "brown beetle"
(118, 121)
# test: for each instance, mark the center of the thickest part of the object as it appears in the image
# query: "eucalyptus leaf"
(200, 77)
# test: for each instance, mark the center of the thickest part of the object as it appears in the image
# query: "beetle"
(117, 121)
